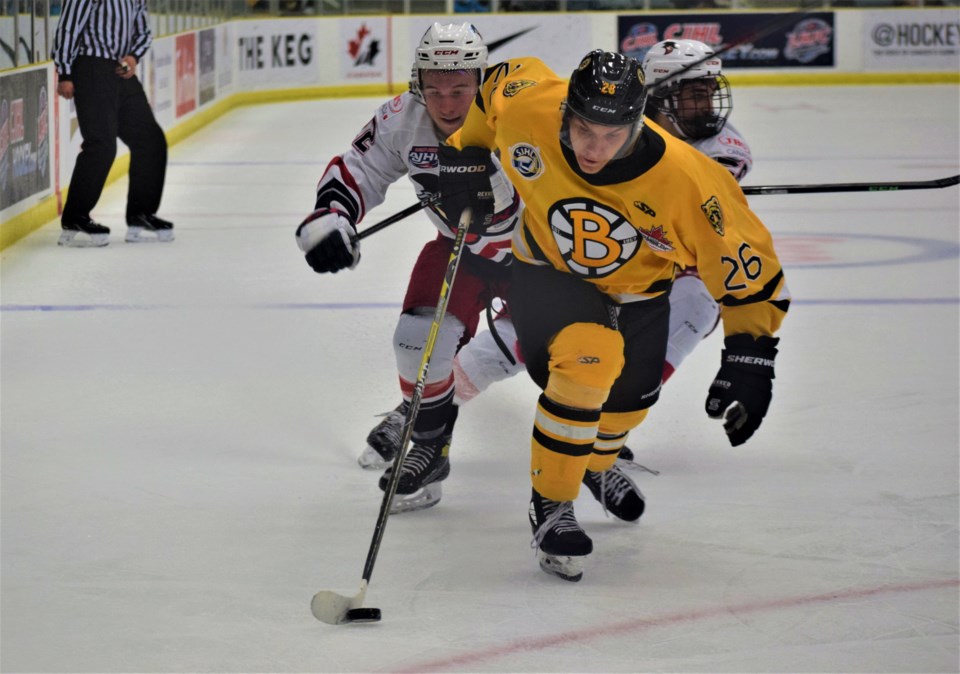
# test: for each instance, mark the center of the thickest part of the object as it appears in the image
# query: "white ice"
(181, 423)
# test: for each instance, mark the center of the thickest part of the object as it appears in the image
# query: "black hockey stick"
(336, 609)
(853, 187)
(396, 217)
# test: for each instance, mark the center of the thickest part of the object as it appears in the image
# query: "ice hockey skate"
(561, 542)
(425, 466)
(83, 233)
(383, 442)
(617, 493)
(159, 230)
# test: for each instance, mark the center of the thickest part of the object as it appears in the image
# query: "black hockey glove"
(329, 239)
(741, 391)
(465, 182)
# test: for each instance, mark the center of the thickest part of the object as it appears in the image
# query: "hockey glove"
(741, 391)
(329, 239)
(465, 181)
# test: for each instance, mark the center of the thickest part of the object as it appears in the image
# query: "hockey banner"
(207, 78)
(24, 136)
(161, 79)
(919, 40)
(186, 87)
(225, 58)
(809, 42)
(363, 49)
(559, 40)
(277, 52)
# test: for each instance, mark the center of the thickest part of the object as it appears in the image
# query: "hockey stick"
(336, 609)
(853, 187)
(396, 217)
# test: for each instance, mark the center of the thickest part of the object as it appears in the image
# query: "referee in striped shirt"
(98, 45)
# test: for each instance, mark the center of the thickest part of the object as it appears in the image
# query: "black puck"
(363, 615)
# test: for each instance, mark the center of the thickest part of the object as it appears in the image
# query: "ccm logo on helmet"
(481, 168)
(446, 52)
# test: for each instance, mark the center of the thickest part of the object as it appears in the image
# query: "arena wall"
(192, 78)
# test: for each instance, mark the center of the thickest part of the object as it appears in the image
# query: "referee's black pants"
(110, 107)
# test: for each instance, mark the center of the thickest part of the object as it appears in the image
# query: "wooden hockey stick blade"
(397, 217)
(332, 608)
(853, 187)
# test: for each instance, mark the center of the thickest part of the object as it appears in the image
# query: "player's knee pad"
(615, 423)
(585, 360)
(409, 340)
(483, 362)
(612, 436)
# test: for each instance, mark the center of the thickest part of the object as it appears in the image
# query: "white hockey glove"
(330, 242)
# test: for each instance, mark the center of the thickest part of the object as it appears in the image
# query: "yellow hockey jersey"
(625, 227)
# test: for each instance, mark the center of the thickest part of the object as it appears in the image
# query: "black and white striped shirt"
(110, 29)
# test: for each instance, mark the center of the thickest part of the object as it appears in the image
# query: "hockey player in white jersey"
(694, 106)
(402, 139)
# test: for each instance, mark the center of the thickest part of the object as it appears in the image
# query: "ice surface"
(181, 424)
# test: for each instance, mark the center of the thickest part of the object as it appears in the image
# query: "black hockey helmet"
(607, 88)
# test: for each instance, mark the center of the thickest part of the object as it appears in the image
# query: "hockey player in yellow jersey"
(613, 203)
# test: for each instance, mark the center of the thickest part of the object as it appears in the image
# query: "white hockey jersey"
(729, 149)
(402, 140)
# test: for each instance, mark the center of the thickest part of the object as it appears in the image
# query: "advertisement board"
(559, 40)
(225, 58)
(24, 136)
(898, 40)
(276, 53)
(807, 41)
(160, 90)
(207, 78)
(363, 49)
(186, 82)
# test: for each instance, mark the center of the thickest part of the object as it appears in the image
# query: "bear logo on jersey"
(593, 239)
(526, 161)
(714, 214)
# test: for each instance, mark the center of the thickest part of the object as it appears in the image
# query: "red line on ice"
(639, 625)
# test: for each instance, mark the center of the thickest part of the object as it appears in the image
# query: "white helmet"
(450, 46)
(668, 66)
